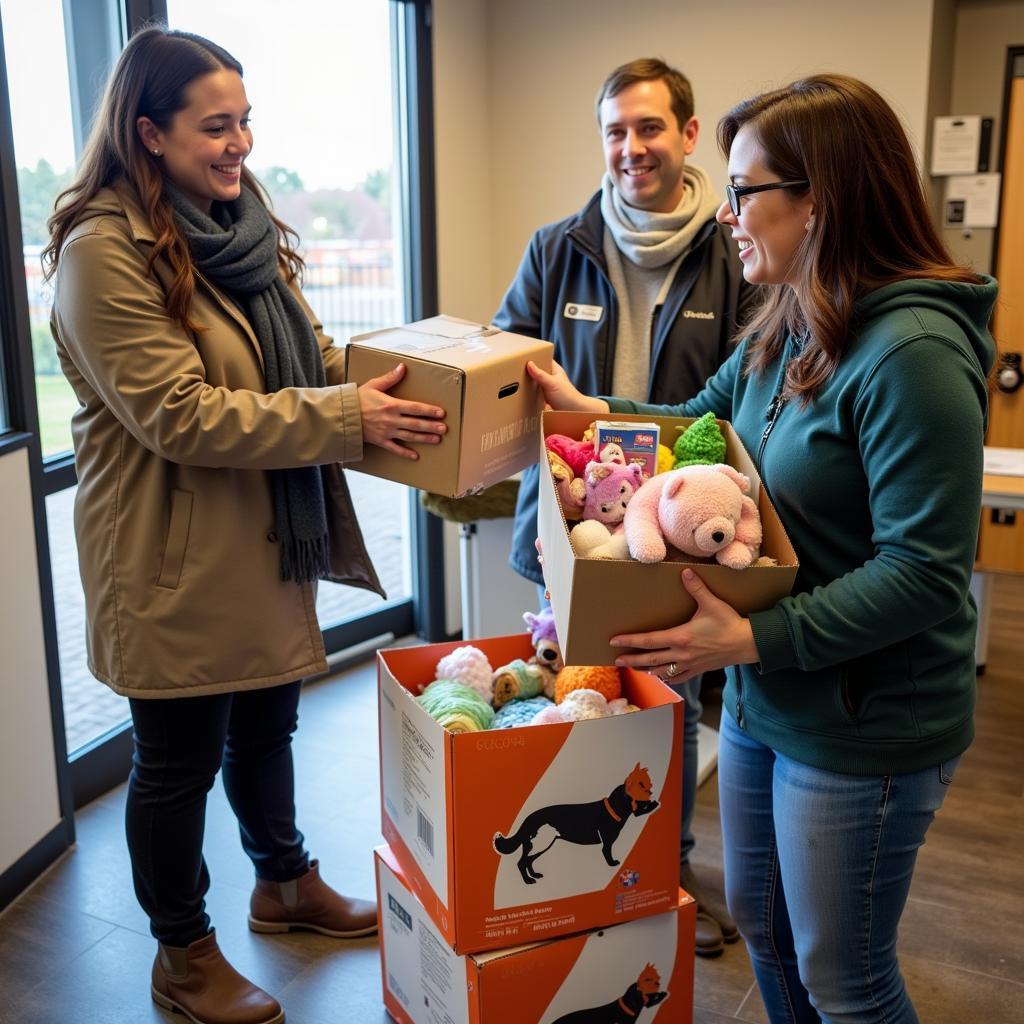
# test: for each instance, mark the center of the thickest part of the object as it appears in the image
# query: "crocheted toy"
(666, 459)
(468, 665)
(703, 511)
(578, 706)
(700, 444)
(619, 706)
(609, 491)
(547, 651)
(570, 488)
(602, 678)
(456, 706)
(519, 712)
(516, 681)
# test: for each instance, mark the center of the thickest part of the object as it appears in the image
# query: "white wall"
(515, 84)
(29, 806)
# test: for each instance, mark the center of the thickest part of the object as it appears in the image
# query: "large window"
(325, 98)
(323, 144)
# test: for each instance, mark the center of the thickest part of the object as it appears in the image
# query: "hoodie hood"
(968, 305)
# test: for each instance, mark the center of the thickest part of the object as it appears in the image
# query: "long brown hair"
(871, 221)
(150, 80)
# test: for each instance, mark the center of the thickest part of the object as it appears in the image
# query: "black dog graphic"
(584, 824)
(624, 1010)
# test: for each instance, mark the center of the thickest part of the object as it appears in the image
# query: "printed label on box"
(638, 442)
(574, 835)
(422, 973)
(413, 783)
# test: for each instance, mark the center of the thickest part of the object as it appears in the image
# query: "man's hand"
(560, 393)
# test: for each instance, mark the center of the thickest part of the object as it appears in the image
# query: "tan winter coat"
(174, 435)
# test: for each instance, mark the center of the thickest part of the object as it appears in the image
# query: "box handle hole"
(508, 389)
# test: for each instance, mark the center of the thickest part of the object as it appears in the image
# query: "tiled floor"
(76, 947)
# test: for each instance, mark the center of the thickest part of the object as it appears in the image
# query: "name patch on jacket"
(692, 314)
(578, 311)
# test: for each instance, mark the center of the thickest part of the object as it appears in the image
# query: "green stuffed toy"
(700, 444)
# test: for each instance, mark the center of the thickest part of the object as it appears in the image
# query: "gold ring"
(673, 670)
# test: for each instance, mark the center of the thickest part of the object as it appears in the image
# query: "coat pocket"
(177, 540)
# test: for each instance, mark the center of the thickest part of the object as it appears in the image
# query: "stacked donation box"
(531, 873)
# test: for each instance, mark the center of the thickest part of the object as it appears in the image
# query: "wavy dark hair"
(150, 80)
(871, 222)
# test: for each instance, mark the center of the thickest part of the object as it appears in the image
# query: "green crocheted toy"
(700, 444)
(516, 681)
(456, 706)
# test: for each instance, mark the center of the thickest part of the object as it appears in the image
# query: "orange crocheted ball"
(603, 678)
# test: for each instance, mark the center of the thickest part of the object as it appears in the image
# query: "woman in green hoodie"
(860, 392)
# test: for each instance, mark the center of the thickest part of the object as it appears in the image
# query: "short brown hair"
(650, 69)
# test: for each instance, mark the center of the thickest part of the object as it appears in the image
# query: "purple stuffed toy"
(548, 653)
(609, 490)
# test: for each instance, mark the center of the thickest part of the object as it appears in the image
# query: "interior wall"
(984, 31)
(29, 805)
(544, 62)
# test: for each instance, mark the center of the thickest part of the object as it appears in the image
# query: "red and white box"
(639, 970)
(586, 812)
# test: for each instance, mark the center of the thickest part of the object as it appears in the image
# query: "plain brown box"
(478, 375)
(594, 599)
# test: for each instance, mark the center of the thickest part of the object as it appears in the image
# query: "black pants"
(180, 745)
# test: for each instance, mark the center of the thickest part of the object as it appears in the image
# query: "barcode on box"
(424, 830)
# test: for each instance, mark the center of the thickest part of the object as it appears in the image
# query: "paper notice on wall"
(972, 201)
(1004, 461)
(955, 145)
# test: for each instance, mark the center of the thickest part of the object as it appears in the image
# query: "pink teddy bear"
(701, 510)
(610, 488)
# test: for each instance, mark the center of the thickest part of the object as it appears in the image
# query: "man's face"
(644, 147)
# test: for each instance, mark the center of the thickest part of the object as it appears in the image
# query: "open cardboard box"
(595, 599)
(477, 374)
(642, 967)
(446, 796)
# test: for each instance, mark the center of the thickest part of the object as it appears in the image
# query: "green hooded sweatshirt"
(868, 666)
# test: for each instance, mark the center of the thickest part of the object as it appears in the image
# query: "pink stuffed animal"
(610, 488)
(576, 454)
(701, 510)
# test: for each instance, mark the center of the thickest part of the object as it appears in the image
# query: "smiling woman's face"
(203, 148)
(770, 225)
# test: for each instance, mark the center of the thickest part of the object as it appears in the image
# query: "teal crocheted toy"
(519, 712)
(700, 444)
(456, 706)
(516, 681)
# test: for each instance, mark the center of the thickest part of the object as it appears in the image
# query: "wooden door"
(1001, 544)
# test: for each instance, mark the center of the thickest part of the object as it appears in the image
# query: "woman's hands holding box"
(389, 421)
(716, 636)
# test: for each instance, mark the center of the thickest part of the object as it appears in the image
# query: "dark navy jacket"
(563, 271)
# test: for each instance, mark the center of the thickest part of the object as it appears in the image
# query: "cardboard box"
(478, 375)
(594, 599)
(447, 799)
(644, 966)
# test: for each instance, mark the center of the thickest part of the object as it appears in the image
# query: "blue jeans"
(817, 870)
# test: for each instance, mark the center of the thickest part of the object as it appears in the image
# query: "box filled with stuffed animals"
(477, 373)
(516, 815)
(640, 970)
(615, 540)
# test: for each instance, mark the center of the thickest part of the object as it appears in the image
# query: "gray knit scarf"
(236, 248)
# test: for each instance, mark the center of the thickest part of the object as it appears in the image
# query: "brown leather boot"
(309, 903)
(198, 982)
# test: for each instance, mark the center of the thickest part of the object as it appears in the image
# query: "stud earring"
(809, 225)
(156, 152)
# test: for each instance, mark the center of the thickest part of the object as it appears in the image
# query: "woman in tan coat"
(211, 424)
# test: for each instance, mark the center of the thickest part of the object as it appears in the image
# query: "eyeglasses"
(734, 193)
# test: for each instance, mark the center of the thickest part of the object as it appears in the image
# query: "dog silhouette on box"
(644, 992)
(598, 822)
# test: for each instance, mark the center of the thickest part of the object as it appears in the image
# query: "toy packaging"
(638, 441)
(640, 970)
(532, 831)
(598, 591)
(477, 373)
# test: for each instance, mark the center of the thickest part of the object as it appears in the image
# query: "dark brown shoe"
(198, 982)
(709, 902)
(309, 903)
(709, 941)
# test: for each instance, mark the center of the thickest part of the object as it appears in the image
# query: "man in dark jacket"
(641, 293)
